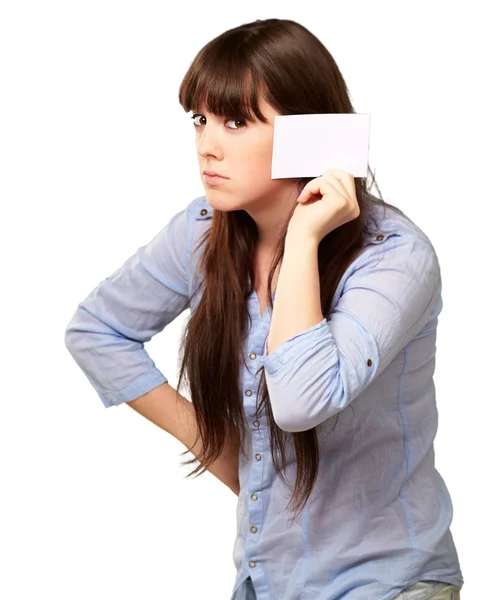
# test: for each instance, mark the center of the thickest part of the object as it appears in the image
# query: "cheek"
(257, 160)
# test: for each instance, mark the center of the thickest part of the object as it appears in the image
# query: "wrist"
(299, 240)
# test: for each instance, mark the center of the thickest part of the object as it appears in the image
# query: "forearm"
(173, 413)
(297, 305)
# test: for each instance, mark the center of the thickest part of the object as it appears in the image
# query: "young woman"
(310, 348)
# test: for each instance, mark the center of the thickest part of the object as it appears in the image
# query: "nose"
(208, 141)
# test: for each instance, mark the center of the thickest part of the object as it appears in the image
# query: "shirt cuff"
(140, 386)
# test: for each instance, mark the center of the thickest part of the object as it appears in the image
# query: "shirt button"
(380, 238)
(256, 423)
(203, 211)
(252, 356)
(253, 529)
(369, 363)
(252, 564)
(258, 456)
(249, 393)
(254, 497)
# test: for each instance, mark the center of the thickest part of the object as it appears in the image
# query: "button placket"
(255, 511)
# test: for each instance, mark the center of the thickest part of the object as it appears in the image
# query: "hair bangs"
(222, 83)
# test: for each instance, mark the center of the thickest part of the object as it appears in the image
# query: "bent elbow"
(297, 416)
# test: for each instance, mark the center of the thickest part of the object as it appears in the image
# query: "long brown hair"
(297, 75)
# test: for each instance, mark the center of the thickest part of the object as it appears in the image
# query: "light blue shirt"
(379, 515)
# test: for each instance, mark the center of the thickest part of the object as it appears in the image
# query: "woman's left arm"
(315, 367)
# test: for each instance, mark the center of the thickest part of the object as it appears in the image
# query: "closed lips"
(213, 174)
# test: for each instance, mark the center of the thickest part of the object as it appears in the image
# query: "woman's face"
(241, 151)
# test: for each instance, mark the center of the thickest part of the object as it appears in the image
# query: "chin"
(222, 202)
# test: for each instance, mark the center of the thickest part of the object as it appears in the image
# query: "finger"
(345, 178)
(316, 187)
(340, 188)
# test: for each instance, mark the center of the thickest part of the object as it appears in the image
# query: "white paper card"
(307, 145)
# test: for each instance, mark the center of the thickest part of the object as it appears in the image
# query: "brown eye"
(237, 121)
(242, 121)
(195, 116)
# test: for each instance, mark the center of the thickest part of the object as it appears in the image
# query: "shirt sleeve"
(392, 293)
(106, 335)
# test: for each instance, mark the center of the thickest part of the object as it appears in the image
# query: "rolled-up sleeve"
(106, 335)
(391, 294)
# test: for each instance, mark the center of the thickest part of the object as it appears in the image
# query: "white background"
(96, 156)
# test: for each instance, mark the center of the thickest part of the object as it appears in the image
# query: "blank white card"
(307, 145)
